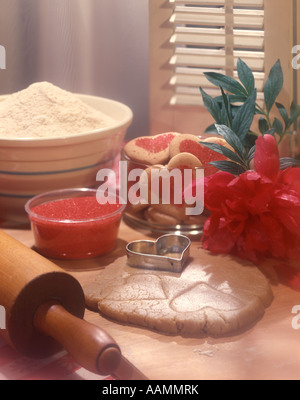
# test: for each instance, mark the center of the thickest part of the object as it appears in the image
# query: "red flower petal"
(291, 178)
(266, 158)
(216, 190)
(219, 241)
(257, 214)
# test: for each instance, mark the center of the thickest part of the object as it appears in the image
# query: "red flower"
(257, 214)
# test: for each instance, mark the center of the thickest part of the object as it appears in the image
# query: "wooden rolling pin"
(44, 311)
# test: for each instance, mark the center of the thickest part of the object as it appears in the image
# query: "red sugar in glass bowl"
(71, 224)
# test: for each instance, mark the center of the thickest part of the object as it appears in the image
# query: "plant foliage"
(234, 111)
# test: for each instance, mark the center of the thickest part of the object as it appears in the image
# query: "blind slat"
(213, 17)
(195, 78)
(210, 58)
(217, 37)
(193, 100)
(237, 3)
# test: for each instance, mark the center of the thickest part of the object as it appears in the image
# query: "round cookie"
(177, 212)
(205, 299)
(184, 161)
(155, 216)
(150, 150)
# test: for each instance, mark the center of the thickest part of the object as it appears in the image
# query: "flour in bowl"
(45, 110)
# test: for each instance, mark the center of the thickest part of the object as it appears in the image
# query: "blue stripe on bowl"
(55, 172)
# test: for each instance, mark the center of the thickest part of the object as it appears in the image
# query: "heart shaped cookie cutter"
(167, 253)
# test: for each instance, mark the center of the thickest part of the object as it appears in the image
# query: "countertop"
(267, 351)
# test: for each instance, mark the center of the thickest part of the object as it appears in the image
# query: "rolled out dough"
(213, 296)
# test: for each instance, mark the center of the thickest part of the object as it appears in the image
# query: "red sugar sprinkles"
(75, 228)
(155, 145)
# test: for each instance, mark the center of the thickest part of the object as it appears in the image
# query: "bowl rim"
(59, 196)
(90, 135)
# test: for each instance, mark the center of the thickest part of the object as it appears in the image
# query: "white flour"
(44, 110)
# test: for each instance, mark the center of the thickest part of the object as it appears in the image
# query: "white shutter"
(190, 37)
(210, 36)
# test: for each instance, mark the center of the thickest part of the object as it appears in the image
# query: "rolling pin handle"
(90, 346)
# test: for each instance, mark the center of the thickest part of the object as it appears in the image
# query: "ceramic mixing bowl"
(32, 166)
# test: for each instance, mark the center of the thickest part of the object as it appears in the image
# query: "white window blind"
(210, 36)
(190, 37)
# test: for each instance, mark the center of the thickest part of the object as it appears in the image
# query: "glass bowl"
(72, 224)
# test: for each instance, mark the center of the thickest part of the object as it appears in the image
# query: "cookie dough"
(213, 296)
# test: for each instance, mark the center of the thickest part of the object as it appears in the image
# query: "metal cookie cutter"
(167, 253)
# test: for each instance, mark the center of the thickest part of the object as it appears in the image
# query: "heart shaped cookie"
(150, 150)
(187, 143)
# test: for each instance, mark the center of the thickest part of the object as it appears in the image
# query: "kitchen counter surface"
(267, 351)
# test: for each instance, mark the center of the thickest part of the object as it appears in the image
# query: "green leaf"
(294, 114)
(288, 163)
(222, 150)
(233, 98)
(246, 76)
(263, 125)
(277, 126)
(212, 106)
(226, 109)
(244, 117)
(251, 154)
(232, 139)
(273, 86)
(270, 132)
(211, 129)
(284, 114)
(229, 166)
(250, 140)
(259, 111)
(227, 83)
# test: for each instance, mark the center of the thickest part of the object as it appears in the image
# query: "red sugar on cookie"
(187, 143)
(150, 150)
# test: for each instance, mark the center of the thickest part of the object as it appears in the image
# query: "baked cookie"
(184, 161)
(175, 211)
(191, 144)
(150, 150)
(186, 143)
(155, 216)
